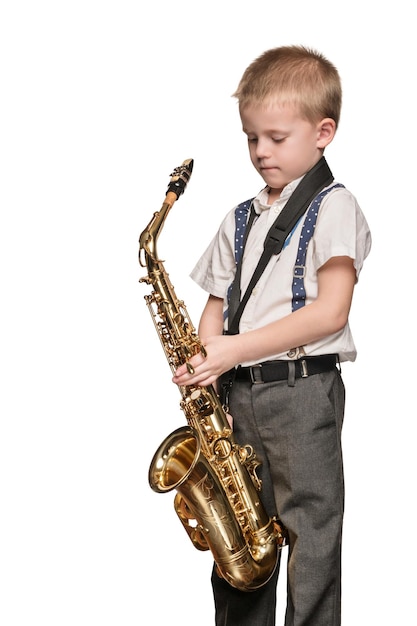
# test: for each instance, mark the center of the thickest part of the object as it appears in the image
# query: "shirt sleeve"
(215, 269)
(341, 230)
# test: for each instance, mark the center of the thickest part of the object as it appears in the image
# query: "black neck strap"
(313, 182)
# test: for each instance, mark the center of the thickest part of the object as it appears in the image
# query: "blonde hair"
(293, 75)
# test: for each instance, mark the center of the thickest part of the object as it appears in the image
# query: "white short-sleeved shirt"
(341, 230)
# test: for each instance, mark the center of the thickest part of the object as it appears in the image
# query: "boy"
(281, 359)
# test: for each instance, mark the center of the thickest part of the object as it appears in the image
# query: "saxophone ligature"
(218, 490)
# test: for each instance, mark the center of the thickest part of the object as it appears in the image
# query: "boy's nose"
(262, 149)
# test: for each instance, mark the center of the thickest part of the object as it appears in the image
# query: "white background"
(99, 102)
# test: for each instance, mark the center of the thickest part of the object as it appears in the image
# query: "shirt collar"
(260, 202)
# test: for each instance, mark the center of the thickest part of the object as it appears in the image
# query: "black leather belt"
(270, 371)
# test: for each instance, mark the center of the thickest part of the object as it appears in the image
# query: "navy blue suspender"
(307, 231)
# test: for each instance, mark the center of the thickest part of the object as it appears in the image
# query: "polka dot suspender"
(307, 231)
(243, 224)
(241, 221)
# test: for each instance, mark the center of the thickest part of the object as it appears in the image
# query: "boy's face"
(283, 146)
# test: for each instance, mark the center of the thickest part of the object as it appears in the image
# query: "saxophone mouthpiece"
(180, 177)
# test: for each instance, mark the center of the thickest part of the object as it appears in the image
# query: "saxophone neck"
(149, 237)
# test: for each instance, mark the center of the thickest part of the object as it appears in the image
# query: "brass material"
(217, 497)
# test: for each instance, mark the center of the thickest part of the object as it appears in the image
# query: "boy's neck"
(273, 195)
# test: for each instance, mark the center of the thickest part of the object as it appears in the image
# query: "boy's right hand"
(220, 358)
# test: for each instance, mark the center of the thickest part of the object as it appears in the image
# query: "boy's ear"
(326, 130)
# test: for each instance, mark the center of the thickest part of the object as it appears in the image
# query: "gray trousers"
(296, 433)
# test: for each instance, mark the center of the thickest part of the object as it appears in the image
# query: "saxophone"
(217, 497)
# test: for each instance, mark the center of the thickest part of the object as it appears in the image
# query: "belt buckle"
(256, 374)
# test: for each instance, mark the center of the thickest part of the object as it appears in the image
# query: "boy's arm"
(211, 322)
(326, 315)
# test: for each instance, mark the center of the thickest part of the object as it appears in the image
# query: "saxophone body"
(217, 497)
